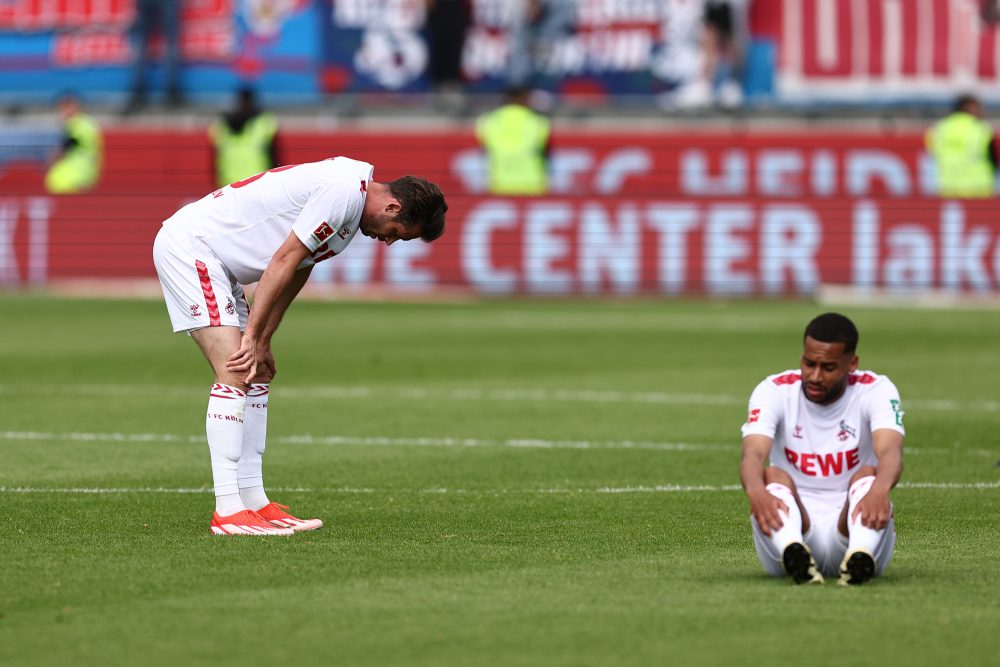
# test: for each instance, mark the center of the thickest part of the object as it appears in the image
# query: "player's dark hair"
(422, 203)
(833, 328)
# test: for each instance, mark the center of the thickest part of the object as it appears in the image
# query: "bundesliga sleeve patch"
(323, 232)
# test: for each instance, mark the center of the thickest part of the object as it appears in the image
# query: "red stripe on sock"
(225, 391)
(206, 288)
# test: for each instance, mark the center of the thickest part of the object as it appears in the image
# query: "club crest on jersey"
(195, 310)
(230, 306)
(845, 432)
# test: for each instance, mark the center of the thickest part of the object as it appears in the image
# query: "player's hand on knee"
(265, 369)
(875, 510)
(767, 510)
(244, 359)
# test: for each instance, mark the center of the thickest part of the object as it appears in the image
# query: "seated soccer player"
(834, 436)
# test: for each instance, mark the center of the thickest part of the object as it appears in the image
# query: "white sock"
(250, 473)
(791, 529)
(224, 428)
(861, 537)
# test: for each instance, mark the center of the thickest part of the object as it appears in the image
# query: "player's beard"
(831, 395)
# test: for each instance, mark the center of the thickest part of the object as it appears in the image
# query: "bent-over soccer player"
(270, 229)
(834, 435)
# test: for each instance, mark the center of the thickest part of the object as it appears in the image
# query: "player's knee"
(773, 475)
(862, 472)
(234, 381)
(264, 377)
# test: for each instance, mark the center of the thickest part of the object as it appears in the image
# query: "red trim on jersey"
(787, 378)
(864, 378)
(206, 288)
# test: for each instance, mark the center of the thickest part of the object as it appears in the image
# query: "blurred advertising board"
(299, 50)
(49, 46)
(881, 50)
(584, 46)
(629, 213)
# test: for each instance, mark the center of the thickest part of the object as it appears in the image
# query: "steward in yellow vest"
(244, 141)
(78, 166)
(516, 140)
(963, 148)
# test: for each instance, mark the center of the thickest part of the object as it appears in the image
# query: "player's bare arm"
(874, 508)
(266, 366)
(764, 507)
(278, 277)
(282, 303)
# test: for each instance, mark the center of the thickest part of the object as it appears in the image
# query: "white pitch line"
(165, 489)
(333, 392)
(514, 443)
(307, 439)
(613, 490)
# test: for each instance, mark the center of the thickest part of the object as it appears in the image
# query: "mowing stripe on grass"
(521, 443)
(658, 488)
(517, 443)
(467, 394)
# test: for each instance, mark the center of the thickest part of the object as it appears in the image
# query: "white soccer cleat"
(857, 567)
(798, 562)
(277, 515)
(245, 522)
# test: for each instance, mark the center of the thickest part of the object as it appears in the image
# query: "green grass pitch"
(507, 482)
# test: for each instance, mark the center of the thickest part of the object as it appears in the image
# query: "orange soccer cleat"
(246, 522)
(278, 516)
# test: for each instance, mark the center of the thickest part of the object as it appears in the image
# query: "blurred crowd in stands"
(668, 55)
(506, 64)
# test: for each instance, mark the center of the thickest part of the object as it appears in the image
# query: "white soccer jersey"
(246, 222)
(821, 446)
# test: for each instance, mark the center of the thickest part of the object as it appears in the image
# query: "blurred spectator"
(964, 150)
(516, 139)
(721, 38)
(156, 17)
(536, 25)
(447, 24)
(244, 140)
(77, 168)
(990, 10)
(723, 45)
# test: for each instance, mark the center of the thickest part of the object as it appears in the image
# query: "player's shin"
(791, 530)
(224, 428)
(861, 537)
(250, 474)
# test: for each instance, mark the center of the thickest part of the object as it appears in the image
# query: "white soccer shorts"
(198, 289)
(828, 546)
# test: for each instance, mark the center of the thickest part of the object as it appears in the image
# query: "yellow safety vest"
(79, 168)
(246, 153)
(514, 138)
(960, 144)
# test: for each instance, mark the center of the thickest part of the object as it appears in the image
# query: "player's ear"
(393, 206)
(854, 363)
